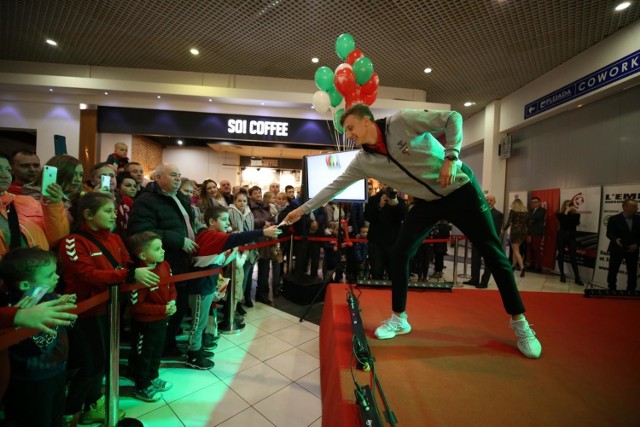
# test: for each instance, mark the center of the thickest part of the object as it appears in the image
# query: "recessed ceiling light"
(106, 93)
(52, 42)
(469, 104)
(210, 100)
(194, 51)
(159, 97)
(427, 70)
(50, 90)
(262, 103)
(315, 60)
(622, 6)
(83, 106)
(179, 142)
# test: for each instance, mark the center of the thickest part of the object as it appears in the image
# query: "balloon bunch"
(354, 80)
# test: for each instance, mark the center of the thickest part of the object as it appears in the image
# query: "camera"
(391, 192)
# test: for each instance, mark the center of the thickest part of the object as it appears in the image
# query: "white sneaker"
(528, 344)
(393, 326)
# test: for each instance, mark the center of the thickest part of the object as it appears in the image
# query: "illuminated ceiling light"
(159, 97)
(194, 51)
(179, 142)
(427, 70)
(52, 42)
(315, 60)
(622, 6)
(106, 93)
(50, 90)
(210, 100)
(469, 104)
(262, 103)
(83, 106)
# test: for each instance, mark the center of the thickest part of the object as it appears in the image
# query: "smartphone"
(37, 292)
(105, 182)
(49, 176)
(60, 144)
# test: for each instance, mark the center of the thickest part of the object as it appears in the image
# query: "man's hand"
(42, 316)
(272, 231)
(293, 216)
(145, 276)
(447, 173)
(383, 201)
(55, 193)
(189, 246)
(619, 242)
(170, 308)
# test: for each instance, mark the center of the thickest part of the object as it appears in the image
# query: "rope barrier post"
(113, 368)
(465, 259)
(455, 260)
(230, 326)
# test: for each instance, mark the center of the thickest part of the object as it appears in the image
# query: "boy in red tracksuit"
(150, 309)
(212, 245)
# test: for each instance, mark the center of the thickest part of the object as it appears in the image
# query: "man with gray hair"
(167, 212)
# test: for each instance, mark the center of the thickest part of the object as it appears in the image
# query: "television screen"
(320, 170)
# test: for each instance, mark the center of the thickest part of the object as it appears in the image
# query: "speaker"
(302, 289)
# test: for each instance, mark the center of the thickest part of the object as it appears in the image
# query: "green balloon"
(334, 96)
(363, 69)
(336, 120)
(344, 45)
(324, 78)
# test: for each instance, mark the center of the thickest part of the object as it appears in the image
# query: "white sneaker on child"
(528, 344)
(393, 326)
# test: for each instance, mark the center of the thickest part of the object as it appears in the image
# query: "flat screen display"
(320, 170)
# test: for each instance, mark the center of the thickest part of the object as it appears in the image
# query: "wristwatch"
(451, 157)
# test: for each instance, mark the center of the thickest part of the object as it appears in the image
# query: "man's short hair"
(23, 264)
(24, 153)
(626, 202)
(535, 198)
(126, 167)
(358, 110)
(97, 166)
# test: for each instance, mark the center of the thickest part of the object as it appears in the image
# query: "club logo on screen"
(332, 161)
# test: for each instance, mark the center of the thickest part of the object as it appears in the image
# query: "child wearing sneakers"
(214, 246)
(150, 309)
(38, 363)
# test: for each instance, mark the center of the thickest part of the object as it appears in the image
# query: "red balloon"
(355, 54)
(344, 80)
(370, 98)
(353, 97)
(371, 85)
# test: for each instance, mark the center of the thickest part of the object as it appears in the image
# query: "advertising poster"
(612, 197)
(586, 200)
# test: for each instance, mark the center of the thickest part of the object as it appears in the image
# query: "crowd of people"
(67, 244)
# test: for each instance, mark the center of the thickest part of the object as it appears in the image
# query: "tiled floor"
(267, 375)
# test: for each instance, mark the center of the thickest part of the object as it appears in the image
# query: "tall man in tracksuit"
(402, 151)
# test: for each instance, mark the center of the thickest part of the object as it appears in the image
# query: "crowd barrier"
(12, 336)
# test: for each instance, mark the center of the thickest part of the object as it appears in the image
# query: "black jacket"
(617, 228)
(158, 212)
(384, 224)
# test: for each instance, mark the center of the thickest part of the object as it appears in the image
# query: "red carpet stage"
(460, 366)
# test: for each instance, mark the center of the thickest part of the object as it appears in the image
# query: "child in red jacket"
(150, 309)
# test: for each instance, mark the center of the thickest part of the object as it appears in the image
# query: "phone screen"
(105, 182)
(37, 292)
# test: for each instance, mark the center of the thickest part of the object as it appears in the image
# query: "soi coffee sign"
(257, 127)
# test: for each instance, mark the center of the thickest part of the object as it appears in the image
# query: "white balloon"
(321, 102)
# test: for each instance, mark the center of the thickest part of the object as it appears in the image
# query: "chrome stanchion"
(230, 326)
(464, 274)
(455, 261)
(113, 368)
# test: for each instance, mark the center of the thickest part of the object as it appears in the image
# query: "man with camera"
(385, 212)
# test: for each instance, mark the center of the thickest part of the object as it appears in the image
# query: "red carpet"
(460, 366)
